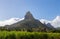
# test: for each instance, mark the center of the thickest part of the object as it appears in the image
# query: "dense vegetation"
(28, 35)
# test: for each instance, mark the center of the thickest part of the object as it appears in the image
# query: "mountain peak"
(29, 15)
(28, 23)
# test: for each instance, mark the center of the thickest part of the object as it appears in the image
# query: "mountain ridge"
(28, 23)
(55, 22)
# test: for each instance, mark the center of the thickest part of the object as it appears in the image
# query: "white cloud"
(44, 21)
(55, 23)
(10, 21)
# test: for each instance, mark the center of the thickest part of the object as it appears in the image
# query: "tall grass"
(28, 35)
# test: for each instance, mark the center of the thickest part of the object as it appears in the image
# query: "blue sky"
(41, 9)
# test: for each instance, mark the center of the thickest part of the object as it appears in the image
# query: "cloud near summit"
(55, 22)
(10, 21)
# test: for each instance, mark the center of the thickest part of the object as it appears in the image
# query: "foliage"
(28, 35)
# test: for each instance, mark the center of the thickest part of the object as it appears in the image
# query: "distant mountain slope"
(10, 21)
(55, 23)
(46, 22)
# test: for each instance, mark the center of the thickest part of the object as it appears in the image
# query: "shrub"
(28, 35)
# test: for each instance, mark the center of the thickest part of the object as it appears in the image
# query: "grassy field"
(28, 35)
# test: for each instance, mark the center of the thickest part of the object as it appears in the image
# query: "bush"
(28, 35)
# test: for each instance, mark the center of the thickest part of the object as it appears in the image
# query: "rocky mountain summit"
(29, 16)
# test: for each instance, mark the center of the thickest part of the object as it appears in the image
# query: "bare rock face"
(29, 16)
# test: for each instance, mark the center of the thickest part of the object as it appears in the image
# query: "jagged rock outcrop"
(29, 16)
